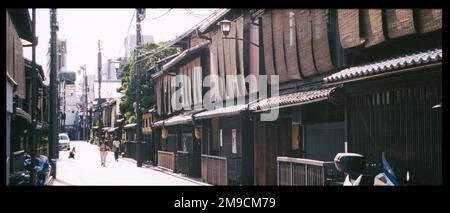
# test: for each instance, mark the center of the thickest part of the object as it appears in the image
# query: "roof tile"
(388, 65)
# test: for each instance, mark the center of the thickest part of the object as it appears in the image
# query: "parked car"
(64, 141)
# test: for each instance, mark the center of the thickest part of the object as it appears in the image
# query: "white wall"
(108, 90)
(71, 100)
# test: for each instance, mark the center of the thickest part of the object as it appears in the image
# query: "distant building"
(80, 90)
(108, 89)
(68, 101)
(61, 64)
(130, 43)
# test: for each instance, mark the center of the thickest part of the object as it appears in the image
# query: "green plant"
(44, 140)
(148, 100)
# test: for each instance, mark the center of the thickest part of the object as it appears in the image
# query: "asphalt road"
(85, 169)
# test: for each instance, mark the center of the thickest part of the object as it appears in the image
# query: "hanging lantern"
(164, 133)
(198, 133)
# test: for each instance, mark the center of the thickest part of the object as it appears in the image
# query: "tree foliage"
(147, 98)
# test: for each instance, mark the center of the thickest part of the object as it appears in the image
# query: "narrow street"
(85, 169)
(224, 96)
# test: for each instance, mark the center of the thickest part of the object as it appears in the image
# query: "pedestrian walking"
(116, 148)
(103, 151)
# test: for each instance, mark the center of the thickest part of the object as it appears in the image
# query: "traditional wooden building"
(42, 106)
(362, 117)
(301, 46)
(179, 150)
(148, 146)
(130, 140)
(334, 68)
(18, 119)
(393, 94)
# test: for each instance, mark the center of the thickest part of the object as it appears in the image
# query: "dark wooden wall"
(271, 139)
(398, 117)
(234, 160)
(324, 141)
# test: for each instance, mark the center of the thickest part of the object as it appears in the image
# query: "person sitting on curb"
(72, 153)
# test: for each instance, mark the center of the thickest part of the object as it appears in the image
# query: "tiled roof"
(23, 114)
(297, 98)
(130, 126)
(177, 119)
(184, 54)
(389, 65)
(221, 112)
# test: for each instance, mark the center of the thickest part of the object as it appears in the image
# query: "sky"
(82, 28)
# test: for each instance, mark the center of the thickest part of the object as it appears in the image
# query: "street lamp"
(225, 26)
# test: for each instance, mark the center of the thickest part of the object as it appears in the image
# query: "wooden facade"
(302, 46)
(230, 138)
(148, 143)
(390, 115)
(19, 95)
(130, 141)
(180, 140)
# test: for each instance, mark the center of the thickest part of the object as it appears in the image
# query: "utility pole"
(33, 100)
(64, 107)
(140, 15)
(99, 68)
(99, 102)
(85, 103)
(53, 139)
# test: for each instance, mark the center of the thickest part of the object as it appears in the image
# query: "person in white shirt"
(116, 145)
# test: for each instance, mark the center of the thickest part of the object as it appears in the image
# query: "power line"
(154, 18)
(195, 15)
(128, 31)
(131, 21)
(158, 50)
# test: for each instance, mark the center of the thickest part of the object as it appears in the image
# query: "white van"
(64, 141)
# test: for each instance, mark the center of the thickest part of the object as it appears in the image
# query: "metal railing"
(182, 162)
(214, 170)
(166, 160)
(303, 172)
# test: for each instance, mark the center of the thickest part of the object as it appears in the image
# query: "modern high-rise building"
(61, 63)
(130, 43)
(112, 69)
